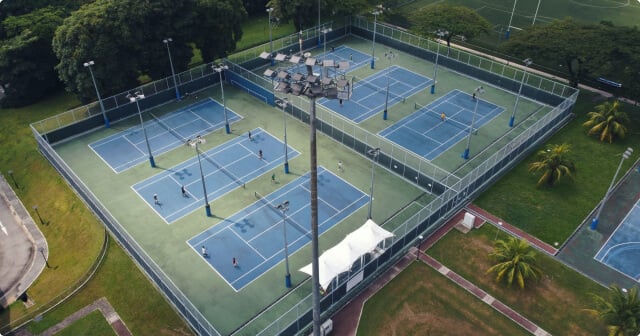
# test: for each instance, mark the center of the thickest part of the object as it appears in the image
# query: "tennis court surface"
(370, 94)
(355, 58)
(225, 168)
(128, 148)
(255, 236)
(425, 133)
(622, 249)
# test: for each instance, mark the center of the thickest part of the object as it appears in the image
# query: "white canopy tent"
(357, 244)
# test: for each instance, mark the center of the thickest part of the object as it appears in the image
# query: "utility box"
(326, 327)
(468, 221)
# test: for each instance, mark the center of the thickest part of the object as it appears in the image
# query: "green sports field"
(498, 12)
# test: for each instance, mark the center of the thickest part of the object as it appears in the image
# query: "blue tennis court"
(426, 134)
(225, 168)
(254, 236)
(128, 148)
(355, 58)
(369, 94)
(622, 249)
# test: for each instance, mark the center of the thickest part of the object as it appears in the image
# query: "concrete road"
(23, 248)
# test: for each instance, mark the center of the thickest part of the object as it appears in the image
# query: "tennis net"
(275, 208)
(226, 172)
(169, 129)
(382, 90)
(450, 120)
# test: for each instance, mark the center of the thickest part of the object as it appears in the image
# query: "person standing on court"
(250, 138)
(184, 191)
(443, 116)
(260, 154)
(155, 199)
(340, 167)
(234, 261)
(204, 252)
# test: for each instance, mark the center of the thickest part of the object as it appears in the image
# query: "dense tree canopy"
(584, 50)
(304, 13)
(124, 39)
(452, 20)
(26, 59)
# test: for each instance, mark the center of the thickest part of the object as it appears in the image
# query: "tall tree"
(516, 261)
(607, 121)
(304, 13)
(554, 163)
(124, 38)
(453, 20)
(620, 311)
(585, 50)
(26, 59)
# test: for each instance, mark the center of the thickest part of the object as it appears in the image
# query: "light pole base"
(207, 209)
(227, 128)
(178, 98)
(286, 167)
(152, 161)
(373, 64)
(433, 89)
(594, 224)
(384, 115)
(287, 280)
(465, 155)
(511, 121)
(106, 122)
(506, 35)
(273, 62)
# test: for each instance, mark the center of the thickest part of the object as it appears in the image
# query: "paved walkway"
(23, 247)
(345, 321)
(101, 305)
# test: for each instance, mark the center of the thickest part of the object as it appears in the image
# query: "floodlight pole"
(104, 113)
(373, 44)
(374, 152)
(273, 62)
(478, 91)
(508, 33)
(44, 256)
(315, 255)
(312, 89)
(389, 55)
(324, 52)
(440, 34)
(173, 73)
(135, 98)
(420, 238)
(527, 63)
(219, 69)
(207, 208)
(10, 172)
(286, 148)
(35, 208)
(284, 207)
(596, 219)
(319, 23)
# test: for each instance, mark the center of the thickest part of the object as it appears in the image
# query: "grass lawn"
(552, 214)
(74, 236)
(420, 301)
(93, 324)
(554, 302)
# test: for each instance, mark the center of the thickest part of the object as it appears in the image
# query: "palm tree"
(607, 121)
(620, 312)
(515, 261)
(554, 164)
